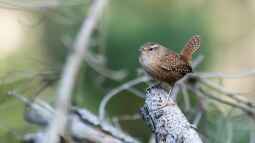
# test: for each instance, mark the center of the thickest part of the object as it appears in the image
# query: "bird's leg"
(155, 85)
(170, 92)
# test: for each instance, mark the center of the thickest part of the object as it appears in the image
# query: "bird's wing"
(171, 63)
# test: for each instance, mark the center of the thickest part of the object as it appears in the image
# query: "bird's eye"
(150, 49)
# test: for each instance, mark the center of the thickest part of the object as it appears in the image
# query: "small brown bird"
(166, 65)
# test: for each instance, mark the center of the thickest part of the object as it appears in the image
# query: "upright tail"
(191, 47)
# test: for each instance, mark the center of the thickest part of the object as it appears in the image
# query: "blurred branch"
(116, 120)
(201, 92)
(100, 68)
(84, 126)
(97, 63)
(38, 5)
(186, 98)
(231, 94)
(71, 70)
(240, 74)
(115, 91)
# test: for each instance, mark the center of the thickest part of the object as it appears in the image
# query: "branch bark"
(165, 118)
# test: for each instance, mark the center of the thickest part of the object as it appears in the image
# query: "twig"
(197, 61)
(200, 92)
(117, 90)
(126, 117)
(229, 138)
(225, 92)
(36, 6)
(70, 72)
(136, 92)
(252, 137)
(38, 112)
(32, 5)
(241, 74)
(102, 70)
(197, 118)
(186, 97)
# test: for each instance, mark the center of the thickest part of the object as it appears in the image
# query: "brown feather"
(191, 47)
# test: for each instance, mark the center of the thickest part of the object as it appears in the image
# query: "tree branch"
(115, 91)
(84, 125)
(70, 72)
(165, 118)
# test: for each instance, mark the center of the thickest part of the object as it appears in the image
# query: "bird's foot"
(157, 85)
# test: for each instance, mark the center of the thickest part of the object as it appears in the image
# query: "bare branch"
(241, 74)
(197, 118)
(126, 118)
(186, 97)
(32, 5)
(36, 6)
(71, 70)
(197, 61)
(117, 90)
(102, 70)
(200, 92)
(83, 126)
(231, 94)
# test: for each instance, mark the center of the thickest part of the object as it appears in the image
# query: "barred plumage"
(166, 65)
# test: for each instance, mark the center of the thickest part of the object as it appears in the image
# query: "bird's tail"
(191, 47)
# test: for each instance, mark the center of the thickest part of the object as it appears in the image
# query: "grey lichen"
(165, 118)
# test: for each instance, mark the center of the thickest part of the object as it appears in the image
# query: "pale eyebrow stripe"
(154, 46)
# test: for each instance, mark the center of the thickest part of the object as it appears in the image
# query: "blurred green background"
(35, 43)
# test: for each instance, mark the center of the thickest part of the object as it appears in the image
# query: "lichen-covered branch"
(83, 125)
(165, 118)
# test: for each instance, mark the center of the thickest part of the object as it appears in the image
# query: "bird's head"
(149, 52)
(149, 48)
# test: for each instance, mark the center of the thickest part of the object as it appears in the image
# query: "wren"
(166, 65)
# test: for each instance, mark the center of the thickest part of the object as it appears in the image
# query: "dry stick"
(227, 76)
(126, 117)
(70, 72)
(225, 92)
(104, 71)
(252, 137)
(197, 61)
(32, 5)
(186, 97)
(117, 90)
(37, 6)
(200, 92)
(136, 92)
(197, 118)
